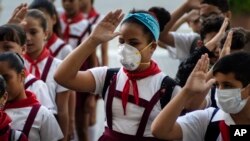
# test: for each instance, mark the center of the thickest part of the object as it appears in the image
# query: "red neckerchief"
(92, 13)
(68, 22)
(133, 76)
(26, 72)
(4, 120)
(28, 102)
(51, 41)
(33, 63)
(224, 129)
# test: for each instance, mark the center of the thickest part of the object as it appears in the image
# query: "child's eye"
(228, 87)
(134, 44)
(33, 32)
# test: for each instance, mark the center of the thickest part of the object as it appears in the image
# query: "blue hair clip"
(148, 20)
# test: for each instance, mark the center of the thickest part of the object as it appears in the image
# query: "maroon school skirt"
(110, 135)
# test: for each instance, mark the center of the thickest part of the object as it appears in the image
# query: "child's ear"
(245, 92)
(46, 35)
(54, 19)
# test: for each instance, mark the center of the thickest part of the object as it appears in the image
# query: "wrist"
(94, 41)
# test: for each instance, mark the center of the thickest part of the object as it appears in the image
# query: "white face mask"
(129, 56)
(230, 101)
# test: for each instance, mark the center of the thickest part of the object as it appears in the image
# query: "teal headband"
(148, 20)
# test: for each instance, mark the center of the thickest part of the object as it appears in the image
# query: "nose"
(28, 36)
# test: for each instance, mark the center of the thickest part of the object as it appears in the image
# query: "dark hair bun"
(162, 15)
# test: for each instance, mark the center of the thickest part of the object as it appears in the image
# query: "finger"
(204, 63)
(115, 34)
(17, 9)
(224, 25)
(119, 20)
(114, 18)
(107, 17)
(197, 66)
(228, 41)
(21, 14)
(207, 64)
(227, 45)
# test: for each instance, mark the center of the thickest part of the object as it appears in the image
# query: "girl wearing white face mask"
(231, 74)
(132, 98)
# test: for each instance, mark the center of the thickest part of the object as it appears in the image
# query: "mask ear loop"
(245, 92)
(146, 47)
(143, 50)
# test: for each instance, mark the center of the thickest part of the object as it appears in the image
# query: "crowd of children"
(51, 78)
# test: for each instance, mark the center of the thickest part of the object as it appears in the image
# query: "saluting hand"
(104, 31)
(197, 83)
(18, 14)
(212, 44)
(227, 45)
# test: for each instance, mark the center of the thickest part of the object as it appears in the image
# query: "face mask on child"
(130, 57)
(230, 101)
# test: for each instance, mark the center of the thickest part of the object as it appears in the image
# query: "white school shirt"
(63, 52)
(52, 85)
(40, 89)
(147, 87)
(44, 128)
(194, 124)
(183, 42)
(76, 29)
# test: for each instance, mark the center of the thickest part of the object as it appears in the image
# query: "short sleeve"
(50, 129)
(99, 74)
(40, 89)
(183, 42)
(194, 124)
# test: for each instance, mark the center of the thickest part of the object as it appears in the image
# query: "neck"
(71, 15)
(143, 67)
(35, 55)
(21, 96)
(86, 9)
(242, 117)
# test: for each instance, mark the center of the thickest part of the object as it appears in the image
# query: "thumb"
(210, 83)
(115, 34)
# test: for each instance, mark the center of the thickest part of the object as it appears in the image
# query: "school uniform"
(40, 89)
(36, 121)
(194, 125)
(131, 119)
(74, 30)
(183, 44)
(44, 68)
(6, 133)
(57, 47)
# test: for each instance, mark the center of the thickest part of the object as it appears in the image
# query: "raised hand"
(104, 31)
(197, 83)
(212, 44)
(227, 45)
(193, 4)
(19, 14)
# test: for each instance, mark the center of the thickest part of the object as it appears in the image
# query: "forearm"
(104, 50)
(178, 23)
(71, 64)
(72, 106)
(164, 123)
(62, 102)
(63, 121)
(177, 14)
